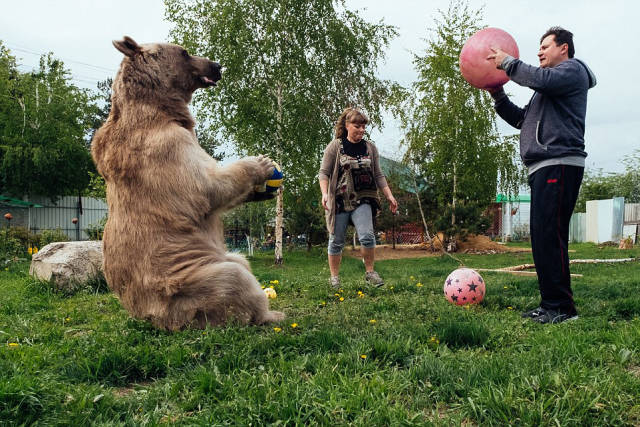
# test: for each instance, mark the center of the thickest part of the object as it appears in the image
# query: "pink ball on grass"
(479, 71)
(464, 286)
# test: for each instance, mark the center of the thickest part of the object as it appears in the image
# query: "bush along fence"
(77, 218)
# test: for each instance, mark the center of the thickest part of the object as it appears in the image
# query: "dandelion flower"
(505, 287)
(391, 287)
(363, 356)
(372, 321)
(13, 344)
(419, 284)
(323, 303)
(341, 299)
(294, 325)
(337, 295)
(277, 329)
(509, 308)
(67, 319)
(412, 278)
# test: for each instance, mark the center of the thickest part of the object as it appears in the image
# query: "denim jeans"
(362, 220)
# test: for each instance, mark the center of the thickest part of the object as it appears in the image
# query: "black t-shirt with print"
(354, 150)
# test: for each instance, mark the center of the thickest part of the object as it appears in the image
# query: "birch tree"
(450, 129)
(291, 67)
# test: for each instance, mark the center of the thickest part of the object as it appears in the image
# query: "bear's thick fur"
(164, 251)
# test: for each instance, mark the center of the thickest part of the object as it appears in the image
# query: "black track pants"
(554, 191)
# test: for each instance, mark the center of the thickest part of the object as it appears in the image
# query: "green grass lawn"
(396, 355)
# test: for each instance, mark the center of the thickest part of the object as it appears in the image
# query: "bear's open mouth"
(207, 81)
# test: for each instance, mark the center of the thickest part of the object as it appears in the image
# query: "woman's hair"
(351, 115)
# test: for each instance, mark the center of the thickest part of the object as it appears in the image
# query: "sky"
(605, 35)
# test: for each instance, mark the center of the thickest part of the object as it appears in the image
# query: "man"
(552, 147)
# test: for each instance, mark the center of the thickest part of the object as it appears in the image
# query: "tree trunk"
(424, 221)
(279, 198)
(279, 216)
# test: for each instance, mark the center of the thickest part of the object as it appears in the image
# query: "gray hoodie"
(552, 123)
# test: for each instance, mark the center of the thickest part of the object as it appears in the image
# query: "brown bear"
(164, 251)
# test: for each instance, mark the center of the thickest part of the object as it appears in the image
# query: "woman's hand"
(325, 200)
(393, 204)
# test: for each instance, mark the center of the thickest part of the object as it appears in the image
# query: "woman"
(350, 178)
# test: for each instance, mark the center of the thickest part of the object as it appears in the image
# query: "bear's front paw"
(264, 169)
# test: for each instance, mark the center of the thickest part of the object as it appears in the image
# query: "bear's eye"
(185, 54)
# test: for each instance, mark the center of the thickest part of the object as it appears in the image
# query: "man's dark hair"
(562, 36)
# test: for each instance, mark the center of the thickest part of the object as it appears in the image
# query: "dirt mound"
(473, 244)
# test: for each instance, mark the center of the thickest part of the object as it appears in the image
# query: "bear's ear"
(128, 46)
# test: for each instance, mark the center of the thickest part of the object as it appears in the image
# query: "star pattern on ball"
(472, 286)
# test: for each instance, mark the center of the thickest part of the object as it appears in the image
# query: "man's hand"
(497, 56)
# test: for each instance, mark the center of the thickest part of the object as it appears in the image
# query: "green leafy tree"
(44, 125)
(450, 130)
(598, 185)
(291, 67)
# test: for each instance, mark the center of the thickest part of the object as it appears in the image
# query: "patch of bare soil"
(473, 244)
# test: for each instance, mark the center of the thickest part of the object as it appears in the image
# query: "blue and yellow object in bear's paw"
(273, 183)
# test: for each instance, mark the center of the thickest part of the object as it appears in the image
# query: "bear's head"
(163, 69)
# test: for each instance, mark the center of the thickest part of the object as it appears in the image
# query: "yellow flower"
(372, 321)
(419, 284)
(363, 356)
(66, 319)
(341, 299)
(337, 295)
(324, 303)
(505, 287)
(412, 278)
(35, 250)
(294, 325)
(467, 306)
(13, 344)
(263, 287)
(360, 295)
(391, 287)
(277, 329)
(433, 338)
(30, 250)
(509, 308)
(340, 290)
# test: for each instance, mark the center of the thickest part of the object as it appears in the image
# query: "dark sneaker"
(373, 279)
(552, 316)
(533, 313)
(334, 281)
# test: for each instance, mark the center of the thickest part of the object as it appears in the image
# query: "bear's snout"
(210, 72)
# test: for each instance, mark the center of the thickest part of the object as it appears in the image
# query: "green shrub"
(49, 236)
(95, 231)
(24, 236)
(10, 247)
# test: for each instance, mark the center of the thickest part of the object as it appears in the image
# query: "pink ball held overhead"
(474, 65)
(464, 286)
